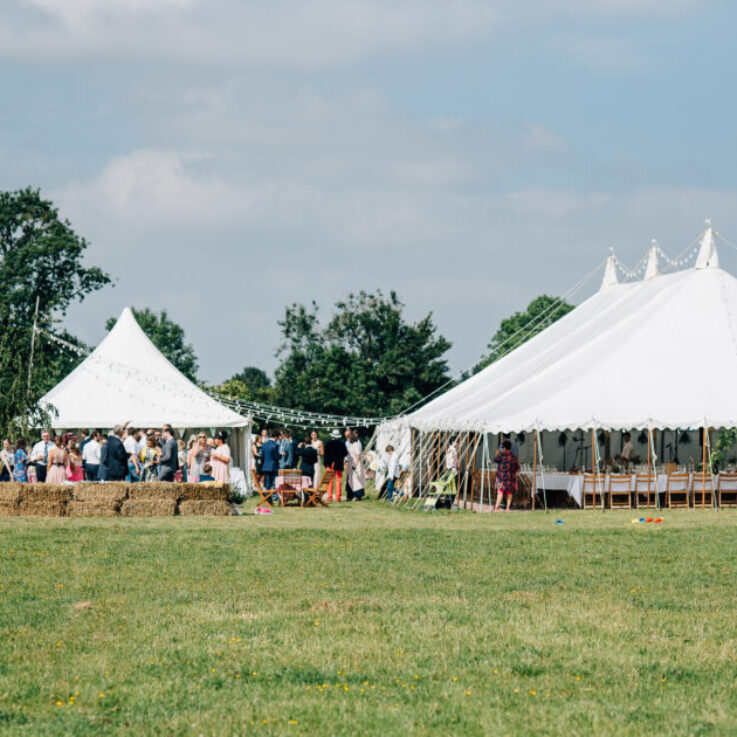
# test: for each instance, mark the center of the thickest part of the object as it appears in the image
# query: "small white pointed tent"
(659, 353)
(126, 378)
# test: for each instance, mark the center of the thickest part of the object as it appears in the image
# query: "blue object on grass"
(559, 522)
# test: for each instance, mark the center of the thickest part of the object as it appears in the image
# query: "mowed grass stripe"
(362, 619)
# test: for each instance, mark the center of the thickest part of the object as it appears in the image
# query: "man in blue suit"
(271, 457)
(114, 458)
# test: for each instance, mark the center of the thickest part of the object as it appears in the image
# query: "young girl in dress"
(75, 472)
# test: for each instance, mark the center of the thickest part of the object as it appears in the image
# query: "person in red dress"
(507, 467)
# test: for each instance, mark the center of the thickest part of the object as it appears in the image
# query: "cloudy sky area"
(226, 157)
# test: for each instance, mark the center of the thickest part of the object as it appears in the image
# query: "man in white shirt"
(91, 456)
(40, 455)
(130, 443)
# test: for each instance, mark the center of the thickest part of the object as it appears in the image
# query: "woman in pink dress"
(58, 458)
(75, 472)
(220, 458)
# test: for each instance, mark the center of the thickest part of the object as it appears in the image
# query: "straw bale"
(149, 508)
(42, 509)
(205, 491)
(204, 508)
(152, 490)
(111, 491)
(52, 493)
(97, 508)
(10, 491)
(8, 509)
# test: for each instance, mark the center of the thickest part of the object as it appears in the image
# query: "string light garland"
(308, 418)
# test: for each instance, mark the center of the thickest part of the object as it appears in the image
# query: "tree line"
(366, 358)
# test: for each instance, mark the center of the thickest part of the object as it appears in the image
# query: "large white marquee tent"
(657, 353)
(126, 378)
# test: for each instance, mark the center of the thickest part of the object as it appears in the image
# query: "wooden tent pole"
(593, 462)
(534, 473)
(649, 453)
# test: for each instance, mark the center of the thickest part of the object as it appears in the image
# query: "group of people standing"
(276, 450)
(123, 454)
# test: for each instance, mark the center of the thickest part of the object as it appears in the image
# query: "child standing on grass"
(392, 471)
(507, 467)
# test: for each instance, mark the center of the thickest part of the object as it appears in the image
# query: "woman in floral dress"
(20, 471)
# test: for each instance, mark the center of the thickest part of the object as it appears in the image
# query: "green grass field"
(366, 620)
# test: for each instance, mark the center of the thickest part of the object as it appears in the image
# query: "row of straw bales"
(112, 499)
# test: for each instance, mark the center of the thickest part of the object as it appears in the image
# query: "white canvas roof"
(658, 353)
(127, 378)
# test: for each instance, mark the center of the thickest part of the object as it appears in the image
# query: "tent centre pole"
(703, 469)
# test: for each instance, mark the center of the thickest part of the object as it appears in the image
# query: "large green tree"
(168, 337)
(41, 264)
(514, 330)
(368, 360)
(256, 382)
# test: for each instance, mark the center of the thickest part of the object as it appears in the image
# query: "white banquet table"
(573, 483)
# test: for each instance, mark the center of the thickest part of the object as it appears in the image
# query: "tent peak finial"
(651, 269)
(610, 271)
(708, 258)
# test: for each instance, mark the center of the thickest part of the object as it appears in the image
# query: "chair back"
(327, 477)
(593, 483)
(291, 477)
(620, 483)
(702, 483)
(641, 483)
(678, 481)
(254, 478)
(727, 482)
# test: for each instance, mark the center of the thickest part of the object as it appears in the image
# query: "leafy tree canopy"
(41, 258)
(368, 360)
(251, 383)
(168, 337)
(542, 312)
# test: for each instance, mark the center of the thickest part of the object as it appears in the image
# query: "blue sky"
(224, 158)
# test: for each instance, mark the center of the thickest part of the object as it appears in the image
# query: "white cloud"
(81, 14)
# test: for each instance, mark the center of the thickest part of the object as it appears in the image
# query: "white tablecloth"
(238, 479)
(306, 482)
(573, 483)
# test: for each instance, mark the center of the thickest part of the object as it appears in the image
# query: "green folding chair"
(441, 493)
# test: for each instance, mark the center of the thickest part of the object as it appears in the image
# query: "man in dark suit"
(335, 453)
(169, 460)
(271, 458)
(114, 458)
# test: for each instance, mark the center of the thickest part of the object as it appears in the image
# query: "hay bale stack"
(97, 508)
(149, 508)
(8, 509)
(154, 490)
(209, 491)
(204, 508)
(42, 509)
(111, 491)
(10, 491)
(46, 493)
